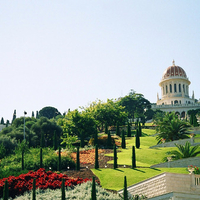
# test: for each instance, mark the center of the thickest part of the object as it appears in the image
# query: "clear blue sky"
(68, 53)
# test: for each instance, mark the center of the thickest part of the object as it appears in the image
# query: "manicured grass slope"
(145, 157)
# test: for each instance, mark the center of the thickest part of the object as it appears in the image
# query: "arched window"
(163, 90)
(175, 102)
(179, 87)
(183, 88)
(170, 88)
(166, 89)
(175, 87)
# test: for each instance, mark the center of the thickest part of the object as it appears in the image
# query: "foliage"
(109, 112)
(186, 151)
(2, 120)
(133, 158)
(96, 137)
(196, 169)
(18, 185)
(109, 140)
(115, 156)
(68, 140)
(34, 188)
(117, 129)
(123, 144)
(137, 140)
(77, 160)
(125, 192)
(76, 123)
(93, 192)
(171, 128)
(63, 189)
(49, 112)
(5, 191)
(55, 141)
(134, 104)
(128, 130)
(59, 159)
(14, 116)
(139, 129)
(2, 151)
(96, 166)
(75, 193)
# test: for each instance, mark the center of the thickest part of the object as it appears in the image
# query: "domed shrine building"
(175, 92)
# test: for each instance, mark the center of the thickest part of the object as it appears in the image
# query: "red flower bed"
(24, 182)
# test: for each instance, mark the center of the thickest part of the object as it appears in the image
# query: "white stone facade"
(175, 92)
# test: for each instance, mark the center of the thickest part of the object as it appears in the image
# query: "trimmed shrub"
(96, 157)
(77, 160)
(115, 157)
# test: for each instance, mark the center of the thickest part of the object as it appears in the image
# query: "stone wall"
(185, 162)
(166, 183)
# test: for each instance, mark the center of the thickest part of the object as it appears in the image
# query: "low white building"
(175, 92)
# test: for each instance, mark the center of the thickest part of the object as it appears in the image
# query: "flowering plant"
(195, 169)
(24, 182)
(163, 140)
(192, 135)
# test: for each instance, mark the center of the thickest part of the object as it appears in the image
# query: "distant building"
(175, 92)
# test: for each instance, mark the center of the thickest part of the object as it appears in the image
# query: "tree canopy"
(49, 112)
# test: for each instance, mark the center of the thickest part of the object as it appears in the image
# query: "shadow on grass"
(119, 170)
(139, 170)
(156, 169)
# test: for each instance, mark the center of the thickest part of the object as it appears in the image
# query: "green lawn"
(113, 179)
(145, 157)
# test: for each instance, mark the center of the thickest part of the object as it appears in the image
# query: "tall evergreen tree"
(37, 115)
(117, 129)
(5, 190)
(106, 128)
(128, 130)
(42, 142)
(55, 141)
(140, 129)
(7, 123)
(93, 193)
(34, 190)
(59, 159)
(2, 120)
(123, 144)
(82, 139)
(96, 157)
(125, 192)
(96, 137)
(115, 157)
(41, 160)
(191, 119)
(109, 142)
(14, 116)
(133, 158)
(137, 140)
(32, 114)
(77, 160)
(63, 189)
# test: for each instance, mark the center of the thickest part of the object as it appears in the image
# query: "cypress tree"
(77, 160)
(33, 114)
(106, 128)
(41, 160)
(125, 193)
(140, 130)
(5, 190)
(117, 129)
(42, 142)
(137, 140)
(63, 189)
(109, 143)
(93, 193)
(22, 159)
(59, 159)
(115, 156)
(191, 119)
(7, 123)
(133, 158)
(2, 120)
(128, 130)
(37, 115)
(14, 116)
(123, 144)
(82, 140)
(96, 157)
(96, 137)
(55, 142)
(34, 190)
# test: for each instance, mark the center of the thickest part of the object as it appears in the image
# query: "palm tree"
(186, 151)
(171, 128)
